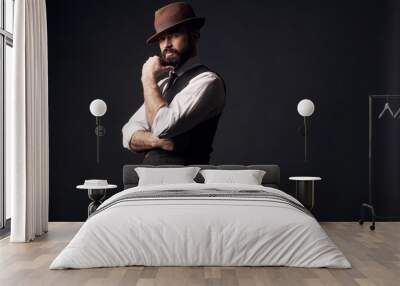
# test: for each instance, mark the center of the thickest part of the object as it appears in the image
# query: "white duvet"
(200, 231)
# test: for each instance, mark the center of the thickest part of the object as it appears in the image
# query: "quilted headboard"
(271, 177)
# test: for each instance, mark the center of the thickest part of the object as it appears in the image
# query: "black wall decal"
(270, 53)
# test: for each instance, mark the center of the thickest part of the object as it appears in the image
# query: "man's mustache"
(171, 51)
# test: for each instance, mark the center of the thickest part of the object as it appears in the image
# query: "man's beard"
(180, 56)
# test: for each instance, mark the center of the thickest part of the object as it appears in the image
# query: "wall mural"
(215, 82)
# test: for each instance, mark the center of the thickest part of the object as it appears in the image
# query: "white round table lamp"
(305, 108)
(98, 108)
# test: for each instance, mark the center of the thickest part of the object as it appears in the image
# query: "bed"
(198, 224)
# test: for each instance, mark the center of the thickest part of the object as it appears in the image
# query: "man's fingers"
(167, 68)
(153, 58)
(154, 66)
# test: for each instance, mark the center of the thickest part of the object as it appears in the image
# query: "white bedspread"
(200, 231)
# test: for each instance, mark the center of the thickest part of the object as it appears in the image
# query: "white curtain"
(27, 145)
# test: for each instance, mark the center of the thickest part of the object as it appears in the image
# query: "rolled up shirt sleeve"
(201, 99)
(137, 122)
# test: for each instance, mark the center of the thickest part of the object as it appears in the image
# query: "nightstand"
(96, 194)
(305, 188)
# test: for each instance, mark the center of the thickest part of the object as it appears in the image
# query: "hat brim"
(196, 23)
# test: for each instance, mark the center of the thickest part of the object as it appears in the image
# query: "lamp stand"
(99, 131)
(305, 138)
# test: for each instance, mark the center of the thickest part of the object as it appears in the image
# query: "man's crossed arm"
(144, 140)
(136, 134)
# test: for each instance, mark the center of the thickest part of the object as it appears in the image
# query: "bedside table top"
(86, 187)
(305, 178)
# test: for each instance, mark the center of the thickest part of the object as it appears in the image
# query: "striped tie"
(170, 82)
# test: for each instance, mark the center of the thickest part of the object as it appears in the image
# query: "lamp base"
(100, 130)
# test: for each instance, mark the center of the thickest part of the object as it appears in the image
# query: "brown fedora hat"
(172, 15)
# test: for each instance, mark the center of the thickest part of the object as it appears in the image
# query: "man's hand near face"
(153, 100)
(153, 68)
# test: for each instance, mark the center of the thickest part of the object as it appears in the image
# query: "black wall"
(270, 53)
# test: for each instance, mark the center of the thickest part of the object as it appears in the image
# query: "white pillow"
(162, 176)
(249, 177)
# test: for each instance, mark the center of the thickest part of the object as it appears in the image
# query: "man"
(179, 117)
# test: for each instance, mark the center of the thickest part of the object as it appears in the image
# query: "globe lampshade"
(98, 107)
(305, 107)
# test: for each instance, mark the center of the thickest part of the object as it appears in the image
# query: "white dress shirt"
(201, 99)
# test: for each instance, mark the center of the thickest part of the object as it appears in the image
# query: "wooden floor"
(375, 257)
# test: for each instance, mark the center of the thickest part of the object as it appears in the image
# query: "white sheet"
(200, 231)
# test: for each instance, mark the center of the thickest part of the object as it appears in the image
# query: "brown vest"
(193, 146)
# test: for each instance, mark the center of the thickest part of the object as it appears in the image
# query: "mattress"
(201, 225)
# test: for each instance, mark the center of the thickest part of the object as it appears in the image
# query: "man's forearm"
(144, 140)
(151, 92)
(153, 100)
